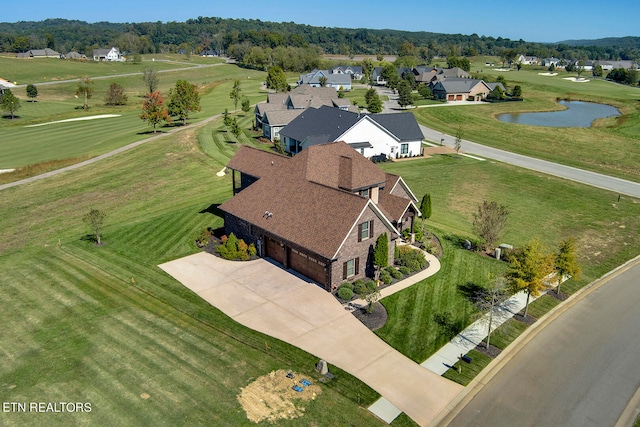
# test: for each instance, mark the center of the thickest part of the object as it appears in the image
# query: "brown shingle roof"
(303, 196)
(257, 163)
(323, 165)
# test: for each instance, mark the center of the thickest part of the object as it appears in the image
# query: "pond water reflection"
(578, 114)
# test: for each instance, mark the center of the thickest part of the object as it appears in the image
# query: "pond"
(578, 114)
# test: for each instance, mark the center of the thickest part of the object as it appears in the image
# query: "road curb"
(475, 386)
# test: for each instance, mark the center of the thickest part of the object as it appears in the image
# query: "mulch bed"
(529, 320)
(374, 320)
(561, 296)
(492, 351)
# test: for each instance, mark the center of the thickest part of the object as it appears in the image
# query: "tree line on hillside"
(239, 35)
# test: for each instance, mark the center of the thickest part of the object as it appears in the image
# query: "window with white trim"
(404, 148)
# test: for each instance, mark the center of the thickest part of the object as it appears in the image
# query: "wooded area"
(223, 35)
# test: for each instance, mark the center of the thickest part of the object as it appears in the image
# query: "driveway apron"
(266, 298)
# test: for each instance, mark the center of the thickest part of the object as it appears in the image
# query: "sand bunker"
(576, 79)
(101, 116)
(272, 397)
(547, 74)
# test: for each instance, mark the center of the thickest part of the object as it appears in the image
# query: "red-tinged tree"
(154, 111)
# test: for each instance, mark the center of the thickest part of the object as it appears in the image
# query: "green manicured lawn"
(540, 206)
(542, 305)
(23, 145)
(468, 370)
(611, 146)
(105, 325)
(507, 333)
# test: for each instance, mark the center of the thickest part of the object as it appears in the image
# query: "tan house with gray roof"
(318, 213)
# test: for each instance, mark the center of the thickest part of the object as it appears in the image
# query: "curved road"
(580, 370)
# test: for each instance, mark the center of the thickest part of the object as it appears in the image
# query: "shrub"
(346, 285)
(360, 287)
(385, 277)
(404, 270)
(371, 286)
(345, 293)
(233, 248)
(203, 238)
(413, 259)
(393, 272)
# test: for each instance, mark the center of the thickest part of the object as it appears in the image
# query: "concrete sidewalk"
(464, 342)
(266, 298)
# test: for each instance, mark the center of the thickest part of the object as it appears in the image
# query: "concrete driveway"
(266, 298)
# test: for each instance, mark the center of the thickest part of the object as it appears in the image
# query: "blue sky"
(535, 21)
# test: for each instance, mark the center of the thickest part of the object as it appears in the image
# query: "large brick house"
(318, 213)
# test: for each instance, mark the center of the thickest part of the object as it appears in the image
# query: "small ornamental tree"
(95, 221)
(528, 268)
(425, 208)
(488, 222)
(381, 252)
(323, 81)
(154, 111)
(245, 105)
(9, 103)
(565, 262)
(517, 91)
(32, 92)
(404, 94)
(150, 77)
(85, 89)
(115, 95)
(235, 93)
(374, 104)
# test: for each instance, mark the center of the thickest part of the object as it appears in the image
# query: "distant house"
(318, 213)
(298, 99)
(461, 90)
(335, 80)
(355, 71)
(377, 77)
(39, 53)
(209, 53)
(527, 60)
(547, 62)
(74, 55)
(112, 54)
(391, 135)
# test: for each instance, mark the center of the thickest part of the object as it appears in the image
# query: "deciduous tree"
(154, 111)
(488, 300)
(235, 93)
(565, 261)
(276, 79)
(150, 77)
(528, 268)
(85, 89)
(404, 94)
(245, 104)
(115, 95)
(374, 105)
(488, 222)
(183, 99)
(95, 221)
(32, 92)
(9, 103)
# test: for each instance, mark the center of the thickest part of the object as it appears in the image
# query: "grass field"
(540, 206)
(105, 325)
(23, 146)
(611, 146)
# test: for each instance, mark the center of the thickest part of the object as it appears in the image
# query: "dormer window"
(365, 193)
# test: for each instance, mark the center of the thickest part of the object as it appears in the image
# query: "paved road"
(594, 179)
(580, 370)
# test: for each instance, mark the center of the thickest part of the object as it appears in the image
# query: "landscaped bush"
(413, 259)
(385, 277)
(345, 293)
(203, 238)
(233, 248)
(359, 287)
(407, 232)
(393, 272)
(346, 285)
(404, 270)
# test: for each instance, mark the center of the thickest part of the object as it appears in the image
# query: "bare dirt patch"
(272, 397)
